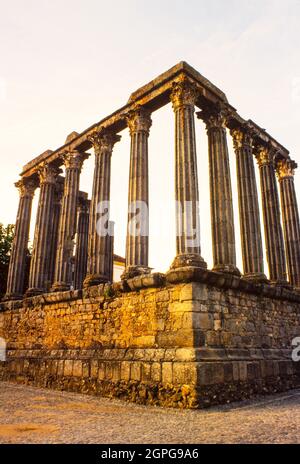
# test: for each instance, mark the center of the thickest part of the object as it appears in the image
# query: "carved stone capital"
(241, 138)
(139, 120)
(48, 174)
(26, 187)
(214, 117)
(264, 156)
(103, 142)
(183, 93)
(285, 168)
(74, 159)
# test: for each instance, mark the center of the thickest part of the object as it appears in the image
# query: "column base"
(281, 283)
(188, 260)
(60, 287)
(134, 271)
(259, 277)
(227, 269)
(34, 292)
(94, 279)
(12, 297)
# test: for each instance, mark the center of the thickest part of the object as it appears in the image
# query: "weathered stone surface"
(192, 337)
(271, 214)
(223, 234)
(290, 217)
(251, 239)
(99, 243)
(73, 161)
(39, 265)
(137, 240)
(155, 345)
(16, 272)
(82, 242)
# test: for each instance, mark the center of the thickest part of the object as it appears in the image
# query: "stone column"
(137, 240)
(271, 215)
(82, 242)
(99, 232)
(290, 215)
(59, 190)
(188, 248)
(223, 235)
(17, 263)
(251, 239)
(67, 228)
(39, 266)
(110, 253)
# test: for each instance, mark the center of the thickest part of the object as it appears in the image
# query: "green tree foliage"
(6, 238)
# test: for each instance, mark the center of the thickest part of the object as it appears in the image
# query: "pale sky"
(66, 64)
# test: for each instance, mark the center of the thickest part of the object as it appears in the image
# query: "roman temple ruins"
(191, 337)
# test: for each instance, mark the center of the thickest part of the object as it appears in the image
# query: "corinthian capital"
(214, 117)
(48, 174)
(74, 159)
(264, 156)
(103, 142)
(241, 138)
(26, 187)
(139, 120)
(183, 93)
(285, 168)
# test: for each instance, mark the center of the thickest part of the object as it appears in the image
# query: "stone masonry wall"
(182, 345)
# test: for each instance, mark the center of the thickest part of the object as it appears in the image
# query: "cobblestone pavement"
(35, 415)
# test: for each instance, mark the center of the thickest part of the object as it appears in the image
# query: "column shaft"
(251, 238)
(17, 264)
(82, 243)
(110, 253)
(99, 230)
(188, 247)
(39, 266)
(67, 227)
(137, 240)
(59, 188)
(290, 217)
(223, 234)
(271, 216)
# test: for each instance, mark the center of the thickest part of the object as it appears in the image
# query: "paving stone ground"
(35, 415)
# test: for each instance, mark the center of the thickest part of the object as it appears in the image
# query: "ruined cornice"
(152, 96)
